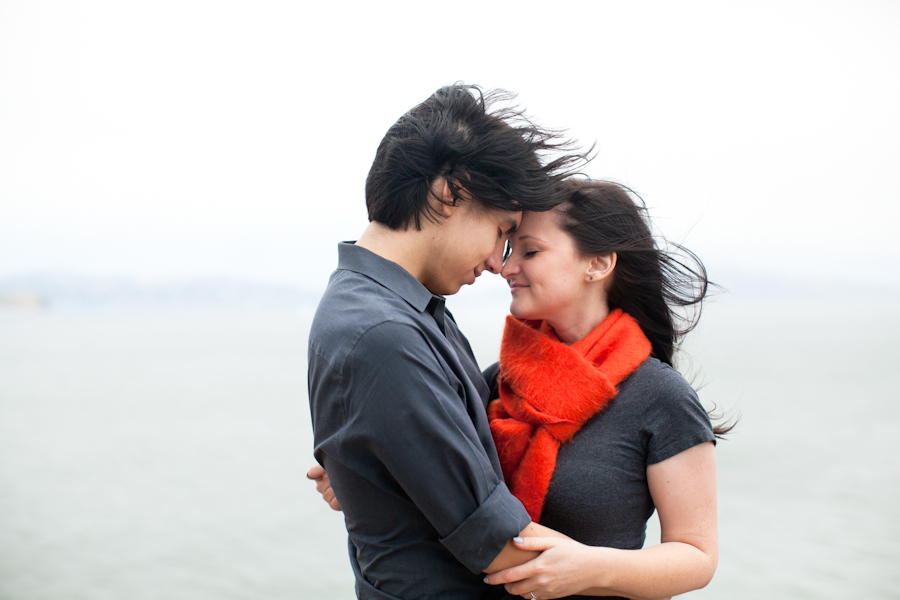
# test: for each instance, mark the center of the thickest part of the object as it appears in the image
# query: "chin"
(521, 312)
(529, 311)
(450, 289)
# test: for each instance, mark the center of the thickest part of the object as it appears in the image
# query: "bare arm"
(683, 488)
(511, 556)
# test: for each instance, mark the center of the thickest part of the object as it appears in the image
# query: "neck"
(406, 247)
(579, 321)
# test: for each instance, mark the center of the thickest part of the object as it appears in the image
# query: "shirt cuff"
(481, 537)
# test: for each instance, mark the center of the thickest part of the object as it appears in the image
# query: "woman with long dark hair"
(594, 427)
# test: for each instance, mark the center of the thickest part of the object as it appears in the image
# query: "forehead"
(539, 224)
(507, 221)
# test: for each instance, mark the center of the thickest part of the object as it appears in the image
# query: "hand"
(323, 486)
(563, 568)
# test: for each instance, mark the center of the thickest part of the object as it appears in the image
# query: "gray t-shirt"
(599, 493)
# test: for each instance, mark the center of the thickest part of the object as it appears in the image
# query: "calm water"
(162, 456)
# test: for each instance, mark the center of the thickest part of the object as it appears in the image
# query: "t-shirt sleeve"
(408, 413)
(674, 420)
(492, 380)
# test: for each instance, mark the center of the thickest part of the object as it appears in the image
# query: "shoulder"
(672, 417)
(355, 302)
(388, 339)
(652, 393)
(384, 345)
(356, 310)
(654, 382)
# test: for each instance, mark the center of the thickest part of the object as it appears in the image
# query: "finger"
(334, 504)
(323, 485)
(328, 496)
(536, 544)
(315, 472)
(511, 574)
(522, 588)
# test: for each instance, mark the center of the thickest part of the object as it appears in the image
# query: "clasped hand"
(563, 568)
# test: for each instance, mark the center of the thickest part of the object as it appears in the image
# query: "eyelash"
(507, 251)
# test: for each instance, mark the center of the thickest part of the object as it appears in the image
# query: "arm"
(512, 556)
(427, 441)
(683, 488)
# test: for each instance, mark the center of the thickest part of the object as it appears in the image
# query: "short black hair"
(496, 156)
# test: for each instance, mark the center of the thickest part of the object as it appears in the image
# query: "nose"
(494, 262)
(510, 268)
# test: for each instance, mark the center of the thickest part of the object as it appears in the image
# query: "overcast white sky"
(166, 140)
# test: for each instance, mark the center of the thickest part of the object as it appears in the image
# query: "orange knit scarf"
(548, 390)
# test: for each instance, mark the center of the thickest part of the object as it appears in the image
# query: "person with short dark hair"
(396, 396)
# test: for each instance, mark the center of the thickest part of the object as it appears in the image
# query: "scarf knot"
(549, 390)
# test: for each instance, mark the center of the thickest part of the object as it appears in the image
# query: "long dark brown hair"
(660, 283)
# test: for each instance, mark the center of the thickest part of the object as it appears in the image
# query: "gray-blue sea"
(161, 455)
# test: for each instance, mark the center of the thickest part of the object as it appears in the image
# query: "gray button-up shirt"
(398, 411)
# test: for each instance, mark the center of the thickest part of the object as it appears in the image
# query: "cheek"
(554, 288)
(484, 247)
(559, 290)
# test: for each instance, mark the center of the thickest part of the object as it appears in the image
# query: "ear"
(600, 267)
(442, 197)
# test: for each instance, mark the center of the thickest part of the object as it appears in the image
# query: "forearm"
(511, 556)
(683, 489)
(660, 571)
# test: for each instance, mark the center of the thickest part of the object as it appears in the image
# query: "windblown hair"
(494, 155)
(663, 288)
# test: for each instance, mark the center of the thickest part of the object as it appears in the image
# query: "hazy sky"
(164, 140)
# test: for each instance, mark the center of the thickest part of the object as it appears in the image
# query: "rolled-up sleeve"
(411, 415)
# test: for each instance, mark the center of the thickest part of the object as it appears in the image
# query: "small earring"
(591, 278)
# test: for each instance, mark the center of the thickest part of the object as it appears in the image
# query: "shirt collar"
(388, 274)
